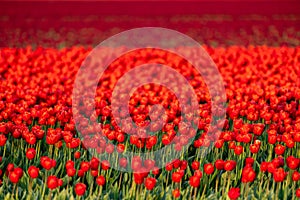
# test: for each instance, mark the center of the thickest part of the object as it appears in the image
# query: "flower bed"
(256, 156)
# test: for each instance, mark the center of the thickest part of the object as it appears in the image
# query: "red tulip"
(183, 165)
(209, 168)
(292, 162)
(80, 173)
(194, 181)
(264, 166)
(195, 165)
(296, 176)
(84, 166)
(123, 162)
(149, 164)
(248, 175)
(279, 149)
(169, 167)
(70, 164)
(14, 177)
(71, 172)
(176, 193)
(94, 172)
(176, 177)
(249, 161)
(198, 173)
(105, 165)
(100, 180)
(254, 148)
(176, 163)
(298, 192)
(258, 129)
(150, 183)
(46, 162)
(10, 167)
(238, 150)
(19, 171)
(80, 189)
(52, 182)
(156, 171)
(279, 175)
(136, 163)
(234, 193)
(94, 163)
(229, 165)
(60, 182)
(272, 167)
(77, 154)
(33, 171)
(219, 164)
(138, 178)
(3, 140)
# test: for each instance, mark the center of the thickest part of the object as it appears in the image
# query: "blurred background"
(214, 23)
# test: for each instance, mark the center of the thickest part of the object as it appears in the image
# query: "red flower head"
(183, 165)
(105, 165)
(238, 150)
(19, 171)
(298, 192)
(84, 166)
(279, 175)
(219, 164)
(77, 154)
(71, 172)
(258, 129)
(279, 149)
(296, 176)
(3, 140)
(10, 167)
(155, 171)
(209, 168)
(176, 177)
(52, 182)
(195, 165)
(292, 162)
(176, 193)
(254, 148)
(14, 177)
(60, 182)
(176, 163)
(100, 180)
(197, 173)
(46, 162)
(94, 163)
(248, 175)
(123, 162)
(169, 167)
(234, 193)
(80, 173)
(70, 164)
(33, 171)
(249, 161)
(80, 189)
(229, 165)
(264, 166)
(194, 181)
(149, 164)
(138, 178)
(136, 163)
(150, 183)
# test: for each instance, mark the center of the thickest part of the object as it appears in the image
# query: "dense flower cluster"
(89, 30)
(258, 146)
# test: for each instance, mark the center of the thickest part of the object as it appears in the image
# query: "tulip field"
(255, 156)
